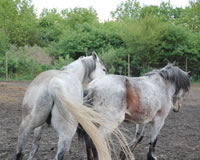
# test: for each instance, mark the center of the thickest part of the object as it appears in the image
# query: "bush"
(3, 43)
(60, 62)
(21, 65)
(115, 60)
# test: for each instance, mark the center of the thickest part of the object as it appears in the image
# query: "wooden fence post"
(128, 65)
(86, 51)
(6, 65)
(186, 64)
(67, 57)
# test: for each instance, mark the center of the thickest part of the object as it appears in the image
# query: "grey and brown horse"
(141, 100)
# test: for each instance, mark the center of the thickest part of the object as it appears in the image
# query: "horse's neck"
(171, 89)
(163, 84)
(77, 69)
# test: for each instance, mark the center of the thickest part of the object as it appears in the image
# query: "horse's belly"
(138, 116)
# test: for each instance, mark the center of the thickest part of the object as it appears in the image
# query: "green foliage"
(154, 43)
(115, 60)
(151, 35)
(18, 20)
(21, 65)
(191, 16)
(75, 17)
(127, 9)
(142, 37)
(51, 26)
(131, 9)
(87, 38)
(60, 62)
(3, 43)
(165, 12)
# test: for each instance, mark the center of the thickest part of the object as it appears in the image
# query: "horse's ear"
(174, 63)
(94, 55)
(169, 63)
(189, 73)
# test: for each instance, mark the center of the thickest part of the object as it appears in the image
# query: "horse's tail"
(87, 118)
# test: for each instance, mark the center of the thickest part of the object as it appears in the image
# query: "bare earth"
(179, 139)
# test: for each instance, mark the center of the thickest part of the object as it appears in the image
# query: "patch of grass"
(196, 81)
(18, 78)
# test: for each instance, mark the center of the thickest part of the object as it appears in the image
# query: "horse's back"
(108, 93)
(141, 98)
(39, 91)
(37, 94)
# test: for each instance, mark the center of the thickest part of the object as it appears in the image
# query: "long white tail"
(87, 118)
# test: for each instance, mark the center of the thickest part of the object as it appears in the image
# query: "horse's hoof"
(18, 156)
(151, 157)
(122, 156)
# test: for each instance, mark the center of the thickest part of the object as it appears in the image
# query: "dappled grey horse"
(146, 99)
(59, 94)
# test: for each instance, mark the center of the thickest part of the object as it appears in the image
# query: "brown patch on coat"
(91, 155)
(134, 110)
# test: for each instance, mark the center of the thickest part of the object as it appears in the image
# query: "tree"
(75, 17)
(3, 43)
(142, 38)
(165, 11)
(127, 9)
(18, 21)
(76, 43)
(191, 16)
(51, 26)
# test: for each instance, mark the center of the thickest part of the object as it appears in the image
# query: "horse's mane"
(89, 65)
(175, 75)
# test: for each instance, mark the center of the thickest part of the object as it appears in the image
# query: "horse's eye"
(104, 70)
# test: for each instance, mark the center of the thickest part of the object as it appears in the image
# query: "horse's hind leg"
(24, 130)
(157, 124)
(30, 122)
(65, 131)
(35, 144)
(90, 148)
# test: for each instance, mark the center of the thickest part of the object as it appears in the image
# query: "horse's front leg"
(150, 155)
(157, 124)
(139, 134)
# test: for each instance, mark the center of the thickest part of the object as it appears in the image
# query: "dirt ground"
(179, 139)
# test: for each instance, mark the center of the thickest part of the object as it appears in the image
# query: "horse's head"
(178, 97)
(94, 68)
(180, 82)
(100, 69)
(178, 100)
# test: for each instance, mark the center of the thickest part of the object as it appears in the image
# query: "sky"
(103, 7)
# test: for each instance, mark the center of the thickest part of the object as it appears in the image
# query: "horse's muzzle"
(177, 109)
